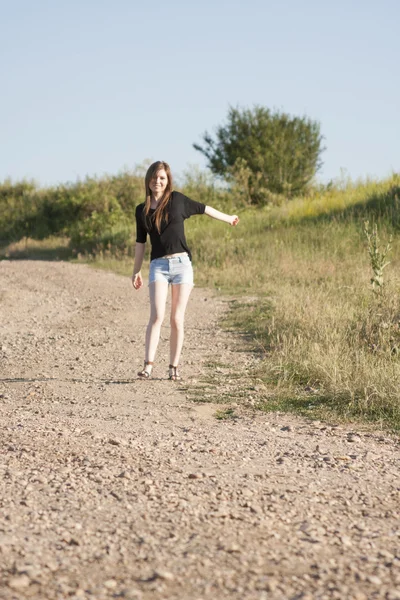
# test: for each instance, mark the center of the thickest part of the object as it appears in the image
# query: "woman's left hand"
(234, 220)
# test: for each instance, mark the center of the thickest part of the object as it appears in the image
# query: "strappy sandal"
(173, 373)
(143, 374)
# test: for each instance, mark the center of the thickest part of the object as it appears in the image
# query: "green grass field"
(329, 343)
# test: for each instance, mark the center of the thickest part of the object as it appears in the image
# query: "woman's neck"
(155, 198)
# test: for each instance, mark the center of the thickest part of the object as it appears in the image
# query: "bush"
(109, 227)
(282, 153)
(94, 213)
(18, 209)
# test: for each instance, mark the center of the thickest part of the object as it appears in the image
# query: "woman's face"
(159, 182)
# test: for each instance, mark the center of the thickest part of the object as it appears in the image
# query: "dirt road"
(112, 487)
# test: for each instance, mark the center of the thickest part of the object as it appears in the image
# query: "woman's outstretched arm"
(137, 279)
(216, 214)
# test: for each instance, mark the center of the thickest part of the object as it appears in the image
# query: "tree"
(280, 153)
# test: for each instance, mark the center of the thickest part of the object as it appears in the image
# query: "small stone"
(233, 548)
(114, 442)
(31, 571)
(393, 595)
(19, 583)
(374, 579)
(385, 554)
(166, 575)
(271, 585)
(132, 594)
(194, 476)
(110, 584)
(346, 541)
(39, 479)
(52, 565)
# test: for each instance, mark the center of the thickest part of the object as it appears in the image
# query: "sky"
(90, 87)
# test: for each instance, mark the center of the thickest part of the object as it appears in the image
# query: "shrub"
(282, 153)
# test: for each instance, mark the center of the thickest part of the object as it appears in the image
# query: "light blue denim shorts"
(175, 270)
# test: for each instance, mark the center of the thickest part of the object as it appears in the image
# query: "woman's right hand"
(137, 280)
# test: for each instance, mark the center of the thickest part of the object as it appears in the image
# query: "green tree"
(278, 153)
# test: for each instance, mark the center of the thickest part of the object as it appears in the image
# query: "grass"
(226, 414)
(329, 345)
(300, 274)
(52, 248)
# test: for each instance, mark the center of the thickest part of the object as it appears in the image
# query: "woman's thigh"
(158, 293)
(179, 299)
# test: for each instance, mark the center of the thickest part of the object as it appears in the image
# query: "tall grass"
(328, 343)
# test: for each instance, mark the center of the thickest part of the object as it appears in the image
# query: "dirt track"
(111, 487)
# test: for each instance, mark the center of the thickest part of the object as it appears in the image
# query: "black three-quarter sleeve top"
(171, 238)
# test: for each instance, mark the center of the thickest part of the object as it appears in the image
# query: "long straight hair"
(161, 210)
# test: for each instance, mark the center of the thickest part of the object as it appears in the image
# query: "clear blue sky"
(93, 86)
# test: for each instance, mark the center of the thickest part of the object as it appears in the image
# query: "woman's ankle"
(174, 372)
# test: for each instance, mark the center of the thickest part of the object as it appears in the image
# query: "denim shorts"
(175, 270)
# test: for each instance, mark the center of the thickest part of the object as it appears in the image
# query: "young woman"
(162, 217)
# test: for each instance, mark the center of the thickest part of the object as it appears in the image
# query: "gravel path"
(112, 487)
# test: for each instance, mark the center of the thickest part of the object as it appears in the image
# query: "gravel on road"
(114, 487)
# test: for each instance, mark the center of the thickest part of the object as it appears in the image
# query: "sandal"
(173, 373)
(145, 374)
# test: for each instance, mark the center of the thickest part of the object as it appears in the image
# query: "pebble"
(21, 582)
(271, 585)
(346, 540)
(31, 571)
(114, 441)
(162, 574)
(132, 594)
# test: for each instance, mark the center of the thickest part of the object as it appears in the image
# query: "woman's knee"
(176, 321)
(156, 320)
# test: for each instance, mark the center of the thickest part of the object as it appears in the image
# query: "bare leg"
(179, 299)
(158, 292)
